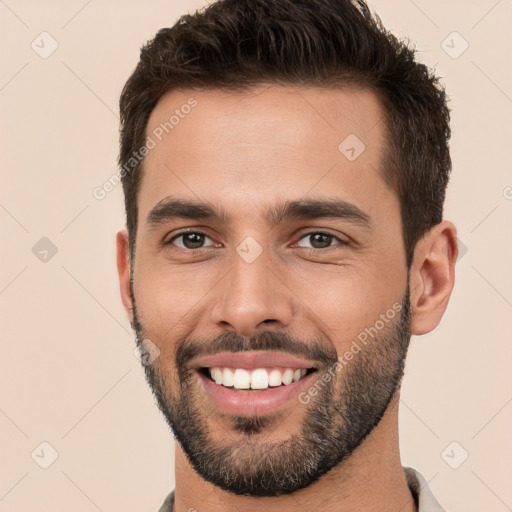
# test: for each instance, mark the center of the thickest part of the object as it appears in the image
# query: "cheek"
(345, 303)
(167, 297)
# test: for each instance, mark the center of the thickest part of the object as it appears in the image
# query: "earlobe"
(123, 270)
(432, 276)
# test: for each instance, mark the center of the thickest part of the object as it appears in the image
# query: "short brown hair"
(238, 44)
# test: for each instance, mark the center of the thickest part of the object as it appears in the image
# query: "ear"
(432, 276)
(123, 269)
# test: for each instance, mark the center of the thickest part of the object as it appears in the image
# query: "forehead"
(246, 147)
(302, 114)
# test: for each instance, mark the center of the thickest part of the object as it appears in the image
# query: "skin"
(244, 152)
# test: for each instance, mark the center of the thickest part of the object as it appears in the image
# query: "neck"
(370, 480)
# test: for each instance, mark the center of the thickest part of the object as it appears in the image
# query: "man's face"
(275, 273)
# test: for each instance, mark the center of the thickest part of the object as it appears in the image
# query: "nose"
(252, 296)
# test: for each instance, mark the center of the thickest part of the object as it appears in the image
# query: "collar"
(425, 500)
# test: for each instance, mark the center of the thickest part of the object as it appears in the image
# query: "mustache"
(281, 341)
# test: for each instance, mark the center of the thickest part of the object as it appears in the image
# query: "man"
(284, 165)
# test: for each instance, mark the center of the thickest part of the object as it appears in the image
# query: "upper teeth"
(260, 378)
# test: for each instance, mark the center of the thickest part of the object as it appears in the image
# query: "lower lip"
(253, 402)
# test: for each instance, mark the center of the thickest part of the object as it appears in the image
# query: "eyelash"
(304, 235)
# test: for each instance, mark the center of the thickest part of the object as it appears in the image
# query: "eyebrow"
(303, 209)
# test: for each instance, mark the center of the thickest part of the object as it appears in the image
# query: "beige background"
(68, 373)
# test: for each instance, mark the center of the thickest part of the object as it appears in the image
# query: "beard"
(244, 460)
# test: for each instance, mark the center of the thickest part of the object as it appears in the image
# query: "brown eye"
(318, 240)
(190, 240)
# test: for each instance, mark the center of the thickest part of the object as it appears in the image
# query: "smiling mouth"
(257, 379)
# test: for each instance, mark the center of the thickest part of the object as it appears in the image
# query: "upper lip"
(252, 360)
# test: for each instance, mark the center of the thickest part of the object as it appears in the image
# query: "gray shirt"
(423, 496)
